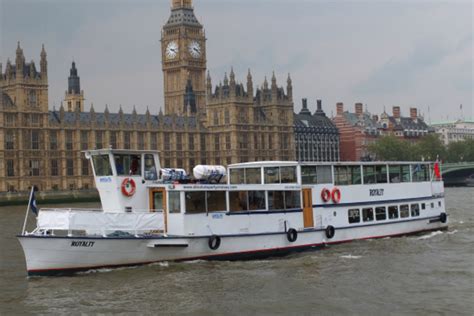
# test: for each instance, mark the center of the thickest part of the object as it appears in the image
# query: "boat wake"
(350, 257)
(431, 235)
(453, 232)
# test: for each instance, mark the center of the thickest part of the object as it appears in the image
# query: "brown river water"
(430, 274)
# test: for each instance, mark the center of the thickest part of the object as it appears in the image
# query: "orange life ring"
(336, 195)
(128, 187)
(325, 195)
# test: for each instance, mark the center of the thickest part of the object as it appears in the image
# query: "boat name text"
(376, 192)
(82, 243)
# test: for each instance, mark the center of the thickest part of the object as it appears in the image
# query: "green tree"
(391, 148)
(429, 147)
(460, 151)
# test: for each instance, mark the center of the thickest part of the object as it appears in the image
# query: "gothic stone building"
(224, 124)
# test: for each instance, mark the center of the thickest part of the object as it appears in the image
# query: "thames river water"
(426, 274)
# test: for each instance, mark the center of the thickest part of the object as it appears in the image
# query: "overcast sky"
(380, 53)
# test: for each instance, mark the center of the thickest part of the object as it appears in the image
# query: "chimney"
(413, 114)
(396, 112)
(320, 107)
(339, 108)
(359, 110)
(304, 109)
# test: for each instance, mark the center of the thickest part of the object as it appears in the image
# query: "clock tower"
(183, 53)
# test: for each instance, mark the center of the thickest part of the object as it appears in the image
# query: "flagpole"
(27, 210)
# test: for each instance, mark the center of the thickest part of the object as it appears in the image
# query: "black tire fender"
(443, 217)
(330, 231)
(292, 235)
(214, 242)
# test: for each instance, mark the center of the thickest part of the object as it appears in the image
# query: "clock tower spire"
(183, 54)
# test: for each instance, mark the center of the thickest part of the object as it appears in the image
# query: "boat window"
(423, 206)
(238, 201)
(405, 171)
(395, 173)
(316, 174)
(432, 205)
(381, 173)
(380, 213)
(393, 212)
(256, 200)
(288, 174)
(276, 200)
(195, 202)
(127, 165)
(415, 210)
(420, 172)
(150, 169)
(368, 214)
(216, 201)
(272, 175)
(404, 211)
(174, 202)
(439, 203)
(253, 176)
(354, 215)
(292, 199)
(237, 176)
(345, 175)
(369, 174)
(102, 165)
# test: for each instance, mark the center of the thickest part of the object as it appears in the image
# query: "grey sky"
(381, 53)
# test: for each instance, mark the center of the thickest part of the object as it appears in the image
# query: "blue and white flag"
(33, 206)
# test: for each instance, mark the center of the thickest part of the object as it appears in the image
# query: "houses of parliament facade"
(202, 124)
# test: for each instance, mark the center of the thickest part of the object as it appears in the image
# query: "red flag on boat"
(436, 170)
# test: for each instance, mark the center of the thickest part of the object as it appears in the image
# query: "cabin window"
(369, 174)
(368, 214)
(195, 202)
(174, 202)
(423, 206)
(381, 173)
(415, 210)
(420, 173)
(393, 212)
(283, 200)
(399, 173)
(432, 205)
(128, 165)
(354, 215)
(380, 213)
(150, 168)
(246, 200)
(288, 174)
(316, 174)
(216, 201)
(102, 165)
(404, 211)
(237, 176)
(272, 175)
(439, 203)
(345, 175)
(253, 176)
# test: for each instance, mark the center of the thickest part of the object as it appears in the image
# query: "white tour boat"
(249, 210)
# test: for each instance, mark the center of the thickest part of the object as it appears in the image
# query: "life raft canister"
(330, 231)
(128, 187)
(325, 195)
(336, 195)
(443, 217)
(214, 242)
(292, 235)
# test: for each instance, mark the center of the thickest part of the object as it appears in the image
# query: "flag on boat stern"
(436, 170)
(33, 206)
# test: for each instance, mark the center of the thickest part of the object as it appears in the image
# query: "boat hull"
(54, 255)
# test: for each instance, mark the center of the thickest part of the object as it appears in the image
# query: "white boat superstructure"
(246, 211)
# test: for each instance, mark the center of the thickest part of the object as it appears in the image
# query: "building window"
(34, 168)
(126, 140)
(227, 142)
(85, 167)
(10, 119)
(179, 143)
(10, 140)
(226, 116)
(141, 140)
(35, 119)
(53, 140)
(10, 168)
(113, 139)
(32, 99)
(216, 118)
(167, 145)
(270, 142)
(69, 140)
(34, 139)
(99, 139)
(203, 143)
(70, 167)
(54, 167)
(191, 142)
(216, 142)
(154, 141)
(84, 140)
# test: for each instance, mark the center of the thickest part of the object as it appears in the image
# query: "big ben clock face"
(172, 50)
(195, 49)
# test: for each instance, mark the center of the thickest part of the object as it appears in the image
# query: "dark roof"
(408, 123)
(182, 16)
(304, 123)
(27, 68)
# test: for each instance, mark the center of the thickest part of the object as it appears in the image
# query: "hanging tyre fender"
(292, 235)
(214, 242)
(330, 231)
(443, 217)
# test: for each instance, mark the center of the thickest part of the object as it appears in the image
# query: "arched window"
(32, 100)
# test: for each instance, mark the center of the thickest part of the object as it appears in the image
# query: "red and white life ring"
(336, 195)
(128, 187)
(325, 195)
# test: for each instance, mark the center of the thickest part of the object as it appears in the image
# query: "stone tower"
(74, 96)
(183, 53)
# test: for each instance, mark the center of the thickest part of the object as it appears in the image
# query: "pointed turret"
(1, 71)
(265, 84)
(226, 80)
(8, 70)
(19, 61)
(32, 73)
(74, 83)
(106, 113)
(289, 88)
(249, 85)
(274, 81)
(209, 84)
(43, 63)
(232, 76)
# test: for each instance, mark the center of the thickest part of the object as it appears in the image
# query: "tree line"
(429, 147)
